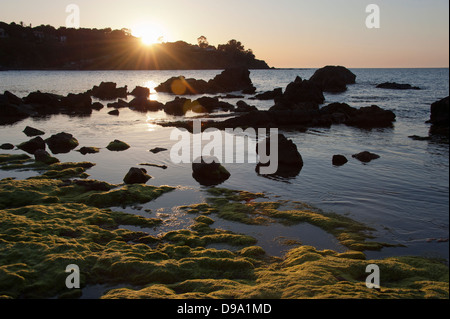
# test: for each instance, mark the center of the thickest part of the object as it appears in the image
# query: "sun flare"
(149, 33)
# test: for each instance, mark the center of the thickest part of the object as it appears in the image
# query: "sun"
(149, 33)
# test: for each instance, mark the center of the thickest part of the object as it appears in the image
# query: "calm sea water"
(404, 195)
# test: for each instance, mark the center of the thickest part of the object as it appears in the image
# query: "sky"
(284, 33)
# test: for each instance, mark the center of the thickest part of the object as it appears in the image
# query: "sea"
(403, 196)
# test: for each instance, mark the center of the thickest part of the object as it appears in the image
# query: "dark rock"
(92, 185)
(13, 99)
(7, 146)
(301, 91)
(178, 107)
(44, 157)
(114, 112)
(142, 104)
(40, 98)
(97, 106)
(439, 112)
(244, 107)
(210, 104)
(269, 95)
(136, 176)
(88, 150)
(339, 160)
(78, 103)
(290, 162)
(232, 79)
(372, 116)
(208, 171)
(119, 104)
(333, 78)
(32, 145)
(61, 143)
(140, 91)
(109, 91)
(158, 150)
(366, 157)
(31, 132)
(396, 86)
(420, 138)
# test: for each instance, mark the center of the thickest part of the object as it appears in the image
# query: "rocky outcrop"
(243, 107)
(109, 91)
(142, 104)
(333, 78)
(61, 143)
(88, 150)
(230, 80)
(140, 91)
(396, 86)
(208, 171)
(43, 156)
(136, 176)
(117, 146)
(439, 118)
(269, 95)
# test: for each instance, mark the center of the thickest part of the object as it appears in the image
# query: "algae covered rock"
(32, 145)
(117, 146)
(44, 157)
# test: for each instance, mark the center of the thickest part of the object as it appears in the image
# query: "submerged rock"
(366, 157)
(7, 146)
(61, 143)
(208, 171)
(157, 150)
(88, 150)
(136, 176)
(397, 86)
(114, 113)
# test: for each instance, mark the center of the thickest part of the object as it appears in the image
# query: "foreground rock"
(61, 143)
(13, 109)
(136, 176)
(289, 163)
(88, 150)
(396, 86)
(32, 145)
(230, 80)
(366, 157)
(208, 171)
(333, 78)
(180, 106)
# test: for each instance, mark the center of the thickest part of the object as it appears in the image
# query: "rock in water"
(44, 157)
(290, 162)
(333, 78)
(339, 160)
(208, 171)
(118, 146)
(31, 131)
(397, 86)
(365, 157)
(32, 145)
(61, 143)
(439, 118)
(136, 176)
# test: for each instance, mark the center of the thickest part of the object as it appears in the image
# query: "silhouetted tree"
(203, 42)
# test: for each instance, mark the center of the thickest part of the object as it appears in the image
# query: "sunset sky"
(285, 33)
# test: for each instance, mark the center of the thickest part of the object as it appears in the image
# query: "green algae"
(117, 146)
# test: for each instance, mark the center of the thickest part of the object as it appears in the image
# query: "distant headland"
(47, 48)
